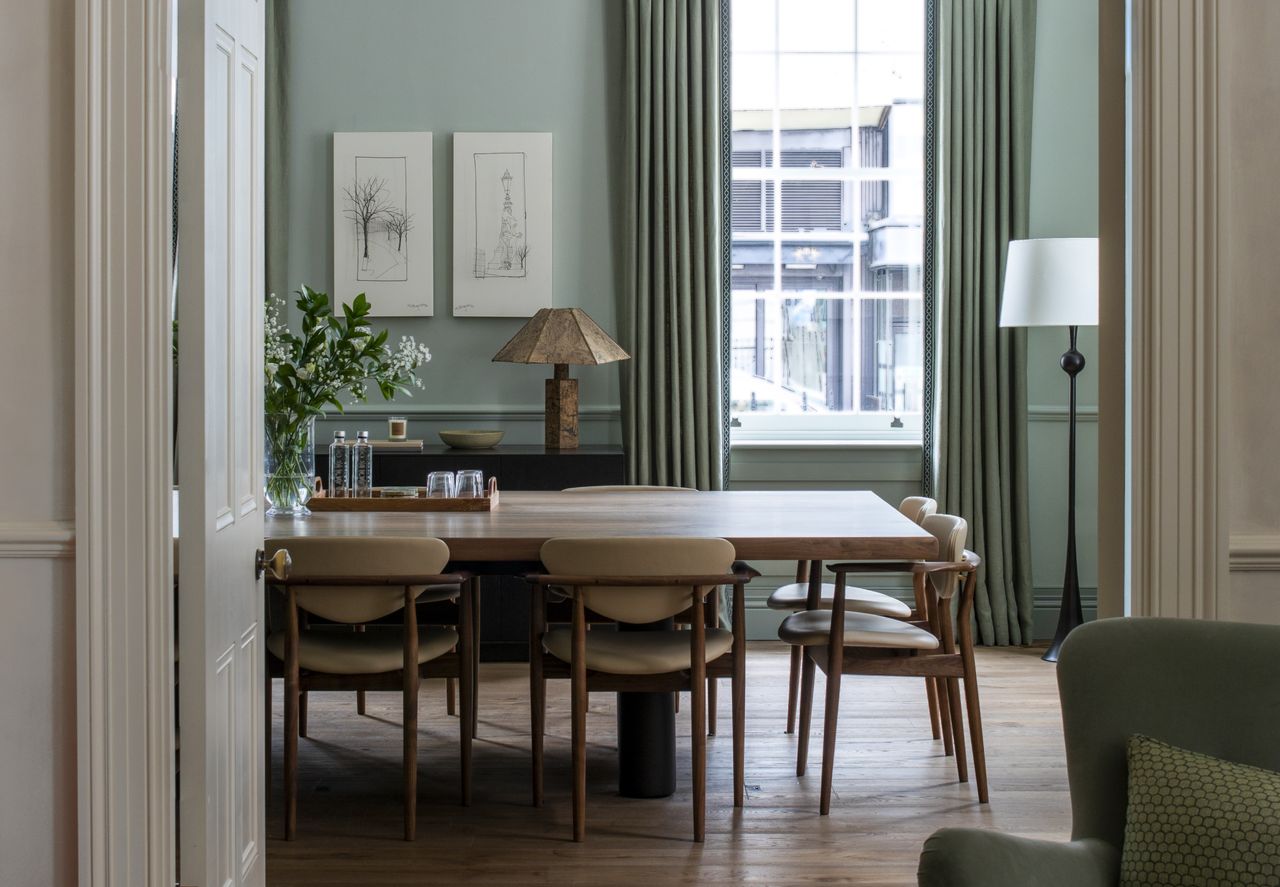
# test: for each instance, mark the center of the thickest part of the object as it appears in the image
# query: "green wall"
(475, 66)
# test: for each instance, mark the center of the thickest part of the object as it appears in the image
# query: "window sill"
(819, 444)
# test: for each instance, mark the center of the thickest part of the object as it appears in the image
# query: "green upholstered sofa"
(1211, 687)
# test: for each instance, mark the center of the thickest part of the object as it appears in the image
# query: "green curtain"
(986, 52)
(276, 137)
(672, 408)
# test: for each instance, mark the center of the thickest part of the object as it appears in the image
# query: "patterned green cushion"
(1197, 820)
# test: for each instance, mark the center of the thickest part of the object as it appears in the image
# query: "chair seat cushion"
(812, 628)
(376, 650)
(434, 594)
(1195, 819)
(636, 652)
(860, 600)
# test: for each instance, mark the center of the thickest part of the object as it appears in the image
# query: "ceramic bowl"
(472, 439)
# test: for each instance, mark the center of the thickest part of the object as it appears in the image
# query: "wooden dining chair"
(841, 642)
(357, 581)
(713, 699)
(794, 597)
(638, 580)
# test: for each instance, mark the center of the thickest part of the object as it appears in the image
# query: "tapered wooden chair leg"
(944, 715)
(466, 688)
(292, 696)
(793, 687)
(975, 726)
(712, 699)
(739, 688)
(831, 717)
(360, 702)
(537, 694)
(451, 696)
(806, 712)
(302, 714)
(578, 673)
(930, 693)
(410, 681)
(957, 728)
(698, 691)
(475, 655)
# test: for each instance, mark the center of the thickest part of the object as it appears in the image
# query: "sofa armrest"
(963, 857)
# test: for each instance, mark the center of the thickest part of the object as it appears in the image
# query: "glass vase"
(290, 465)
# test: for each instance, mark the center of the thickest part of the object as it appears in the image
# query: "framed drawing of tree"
(382, 221)
(501, 223)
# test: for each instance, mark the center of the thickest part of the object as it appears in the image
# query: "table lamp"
(561, 336)
(1054, 282)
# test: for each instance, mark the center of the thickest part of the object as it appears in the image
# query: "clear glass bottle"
(362, 465)
(339, 465)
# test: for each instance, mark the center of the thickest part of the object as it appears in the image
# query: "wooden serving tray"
(377, 502)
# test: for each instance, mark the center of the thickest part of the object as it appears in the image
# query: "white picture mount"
(383, 242)
(502, 224)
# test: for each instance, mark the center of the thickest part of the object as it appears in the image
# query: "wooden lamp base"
(562, 410)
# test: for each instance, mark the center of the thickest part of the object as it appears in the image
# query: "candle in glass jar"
(397, 428)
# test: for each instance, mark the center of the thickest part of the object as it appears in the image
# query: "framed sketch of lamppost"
(382, 221)
(502, 238)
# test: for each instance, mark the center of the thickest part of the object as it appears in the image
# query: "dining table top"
(762, 525)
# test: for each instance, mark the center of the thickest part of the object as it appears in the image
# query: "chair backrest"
(1211, 687)
(629, 488)
(917, 508)
(372, 557)
(637, 557)
(951, 532)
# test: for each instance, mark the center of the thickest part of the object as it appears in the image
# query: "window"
(827, 218)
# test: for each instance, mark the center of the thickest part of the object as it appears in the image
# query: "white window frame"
(853, 425)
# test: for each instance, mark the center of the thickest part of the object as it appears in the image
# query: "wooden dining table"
(793, 525)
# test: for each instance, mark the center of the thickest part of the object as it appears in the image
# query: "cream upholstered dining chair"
(841, 641)
(794, 597)
(354, 581)
(713, 698)
(637, 580)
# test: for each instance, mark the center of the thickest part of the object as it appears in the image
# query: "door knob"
(277, 565)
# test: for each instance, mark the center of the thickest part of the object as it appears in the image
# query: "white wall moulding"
(1178, 556)
(124, 584)
(37, 539)
(471, 413)
(1255, 553)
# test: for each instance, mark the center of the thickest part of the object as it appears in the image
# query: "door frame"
(124, 56)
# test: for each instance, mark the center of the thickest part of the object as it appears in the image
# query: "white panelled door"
(222, 793)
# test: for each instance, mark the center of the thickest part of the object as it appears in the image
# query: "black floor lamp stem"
(1070, 613)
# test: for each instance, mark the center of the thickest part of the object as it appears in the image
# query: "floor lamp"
(1054, 282)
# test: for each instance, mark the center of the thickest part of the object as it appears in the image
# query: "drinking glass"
(470, 484)
(440, 485)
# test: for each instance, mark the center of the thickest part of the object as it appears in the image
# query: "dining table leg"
(646, 737)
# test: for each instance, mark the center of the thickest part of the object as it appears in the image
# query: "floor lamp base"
(1070, 617)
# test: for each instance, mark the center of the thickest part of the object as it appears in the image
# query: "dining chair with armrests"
(1209, 687)
(844, 642)
(638, 580)
(794, 597)
(355, 581)
(713, 698)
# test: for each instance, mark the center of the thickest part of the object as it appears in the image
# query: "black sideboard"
(504, 602)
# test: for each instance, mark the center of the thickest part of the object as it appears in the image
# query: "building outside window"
(827, 218)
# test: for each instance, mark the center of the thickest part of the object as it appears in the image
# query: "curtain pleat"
(276, 139)
(986, 72)
(672, 417)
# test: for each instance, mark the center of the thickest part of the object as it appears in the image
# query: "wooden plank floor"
(893, 786)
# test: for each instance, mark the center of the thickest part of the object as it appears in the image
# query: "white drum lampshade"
(1051, 281)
